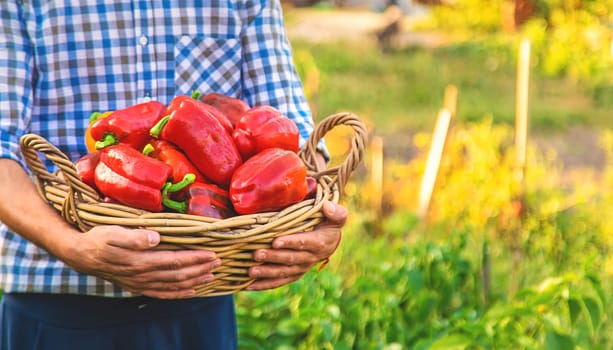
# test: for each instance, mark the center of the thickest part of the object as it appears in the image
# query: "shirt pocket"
(207, 64)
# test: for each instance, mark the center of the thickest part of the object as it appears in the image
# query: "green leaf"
(416, 280)
(556, 341)
(597, 285)
(594, 311)
(451, 342)
(292, 327)
(575, 309)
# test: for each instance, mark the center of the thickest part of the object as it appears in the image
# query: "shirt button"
(143, 40)
(146, 99)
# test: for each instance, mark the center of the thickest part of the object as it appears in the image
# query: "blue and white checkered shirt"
(62, 60)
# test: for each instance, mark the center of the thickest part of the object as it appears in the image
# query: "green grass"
(405, 89)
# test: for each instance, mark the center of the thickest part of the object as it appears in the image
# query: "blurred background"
(481, 216)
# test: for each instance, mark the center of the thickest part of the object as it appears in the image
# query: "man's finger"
(178, 275)
(335, 213)
(136, 239)
(141, 262)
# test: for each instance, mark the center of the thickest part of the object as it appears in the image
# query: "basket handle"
(31, 144)
(351, 162)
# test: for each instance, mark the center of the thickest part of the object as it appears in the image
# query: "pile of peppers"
(209, 155)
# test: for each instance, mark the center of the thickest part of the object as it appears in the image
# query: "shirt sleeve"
(16, 68)
(269, 76)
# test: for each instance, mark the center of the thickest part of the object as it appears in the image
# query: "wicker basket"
(233, 239)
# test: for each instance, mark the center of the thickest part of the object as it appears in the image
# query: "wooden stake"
(451, 99)
(521, 107)
(432, 163)
(486, 272)
(376, 147)
(521, 138)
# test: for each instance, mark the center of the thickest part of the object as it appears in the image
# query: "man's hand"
(125, 257)
(293, 255)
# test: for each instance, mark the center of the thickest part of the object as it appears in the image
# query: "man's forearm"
(119, 255)
(23, 210)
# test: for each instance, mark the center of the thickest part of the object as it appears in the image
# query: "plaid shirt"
(62, 60)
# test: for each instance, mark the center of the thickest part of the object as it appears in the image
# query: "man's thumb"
(335, 212)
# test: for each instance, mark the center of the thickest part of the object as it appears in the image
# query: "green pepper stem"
(188, 179)
(196, 94)
(177, 206)
(108, 140)
(157, 128)
(94, 116)
(148, 149)
(181, 207)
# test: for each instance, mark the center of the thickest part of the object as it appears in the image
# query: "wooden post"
(521, 139)
(451, 99)
(521, 108)
(486, 272)
(432, 163)
(376, 147)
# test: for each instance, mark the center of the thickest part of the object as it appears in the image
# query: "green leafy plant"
(423, 285)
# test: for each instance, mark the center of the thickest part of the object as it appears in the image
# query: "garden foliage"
(570, 38)
(480, 273)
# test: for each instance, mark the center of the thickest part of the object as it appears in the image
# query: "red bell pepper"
(129, 125)
(271, 180)
(86, 168)
(223, 120)
(203, 139)
(171, 155)
(233, 108)
(131, 178)
(90, 143)
(265, 127)
(176, 102)
(202, 199)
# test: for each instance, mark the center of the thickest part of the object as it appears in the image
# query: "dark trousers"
(66, 322)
